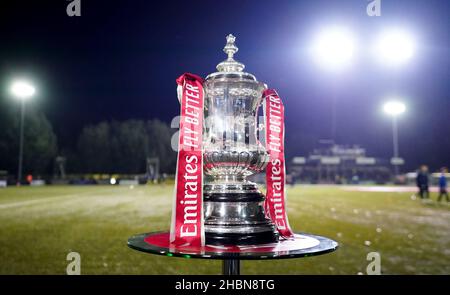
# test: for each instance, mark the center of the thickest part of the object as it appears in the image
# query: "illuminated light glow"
(334, 48)
(22, 89)
(113, 181)
(394, 108)
(394, 47)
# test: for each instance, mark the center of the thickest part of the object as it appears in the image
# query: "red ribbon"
(275, 202)
(187, 213)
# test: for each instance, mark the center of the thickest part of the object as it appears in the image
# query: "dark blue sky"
(120, 59)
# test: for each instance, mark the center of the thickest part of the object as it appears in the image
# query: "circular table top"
(302, 245)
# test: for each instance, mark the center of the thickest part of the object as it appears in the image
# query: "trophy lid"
(230, 68)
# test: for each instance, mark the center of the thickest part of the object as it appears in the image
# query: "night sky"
(120, 59)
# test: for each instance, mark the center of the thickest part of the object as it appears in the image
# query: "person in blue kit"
(422, 182)
(443, 185)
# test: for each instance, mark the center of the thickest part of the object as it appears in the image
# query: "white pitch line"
(43, 200)
(384, 189)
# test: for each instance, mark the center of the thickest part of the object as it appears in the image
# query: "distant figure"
(422, 182)
(443, 185)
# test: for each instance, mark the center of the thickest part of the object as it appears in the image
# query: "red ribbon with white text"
(187, 212)
(275, 202)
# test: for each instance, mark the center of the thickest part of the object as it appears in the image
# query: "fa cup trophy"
(234, 209)
(217, 212)
(233, 206)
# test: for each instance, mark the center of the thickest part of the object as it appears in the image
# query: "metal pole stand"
(231, 267)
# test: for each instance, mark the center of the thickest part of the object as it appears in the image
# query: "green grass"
(39, 226)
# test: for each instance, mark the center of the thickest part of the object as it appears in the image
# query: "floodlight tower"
(394, 109)
(394, 47)
(333, 50)
(23, 91)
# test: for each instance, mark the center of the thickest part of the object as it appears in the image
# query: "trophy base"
(240, 239)
(237, 218)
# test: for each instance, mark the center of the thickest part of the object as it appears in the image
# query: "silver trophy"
(233, 206)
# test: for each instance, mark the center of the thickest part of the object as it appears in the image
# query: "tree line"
(106, 147)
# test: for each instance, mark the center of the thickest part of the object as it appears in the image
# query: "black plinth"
(303, 245)
(263, 231)
(241, 239)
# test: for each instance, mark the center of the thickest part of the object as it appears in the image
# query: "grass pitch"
(39, 226)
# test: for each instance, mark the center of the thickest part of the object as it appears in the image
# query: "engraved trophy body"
(233, 206)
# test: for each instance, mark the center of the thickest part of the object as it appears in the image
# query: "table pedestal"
(231, 267)
(302, 245)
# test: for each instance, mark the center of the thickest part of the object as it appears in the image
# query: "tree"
(159, 135)
(40, 144)
(94, 148)
(129, 146)
(123, 147)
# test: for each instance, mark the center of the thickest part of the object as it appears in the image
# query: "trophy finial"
(230, 38)
(230, 48)
(230, 64)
